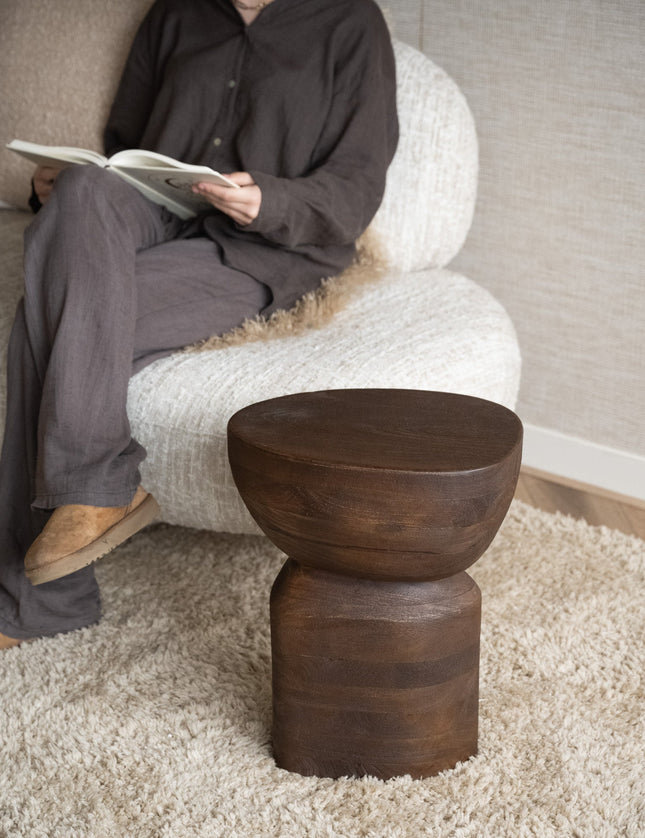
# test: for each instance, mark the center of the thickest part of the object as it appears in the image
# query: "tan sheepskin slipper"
(77, 535)
(8, 642)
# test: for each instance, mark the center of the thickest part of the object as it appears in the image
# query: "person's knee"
(90, 190)
(81, 181)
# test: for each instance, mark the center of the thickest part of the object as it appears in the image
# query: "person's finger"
(241, 178)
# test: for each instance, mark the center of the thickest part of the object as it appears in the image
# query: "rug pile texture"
(156, 722)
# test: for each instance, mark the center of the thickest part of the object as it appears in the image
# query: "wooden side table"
(381, 499)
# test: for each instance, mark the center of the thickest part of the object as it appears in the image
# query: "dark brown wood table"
(381, 499)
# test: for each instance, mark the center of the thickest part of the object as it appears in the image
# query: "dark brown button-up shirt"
(304, 99)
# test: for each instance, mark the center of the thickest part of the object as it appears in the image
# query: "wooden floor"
(554, 494)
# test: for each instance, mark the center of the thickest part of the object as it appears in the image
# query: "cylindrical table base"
(373, 677)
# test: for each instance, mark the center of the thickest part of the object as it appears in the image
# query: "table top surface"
(399, 430)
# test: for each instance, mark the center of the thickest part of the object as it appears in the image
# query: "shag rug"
(156, 722)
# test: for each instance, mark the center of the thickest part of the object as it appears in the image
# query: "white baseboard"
(577, 459)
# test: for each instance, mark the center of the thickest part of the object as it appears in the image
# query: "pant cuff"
(52, 500)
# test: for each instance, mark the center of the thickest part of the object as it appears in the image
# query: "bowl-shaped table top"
(404, 484)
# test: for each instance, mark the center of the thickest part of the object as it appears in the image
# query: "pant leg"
(25, 610)
(185, 294)
(174, 293)
(80, 300)
(79, 266)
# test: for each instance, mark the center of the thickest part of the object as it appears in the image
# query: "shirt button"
(232, 83)
(217, 141)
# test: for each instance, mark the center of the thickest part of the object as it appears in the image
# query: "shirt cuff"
(34, 202)
(272, 221)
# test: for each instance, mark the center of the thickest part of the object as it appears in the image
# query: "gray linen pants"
(112, 282)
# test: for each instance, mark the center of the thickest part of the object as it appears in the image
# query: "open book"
(160, 178)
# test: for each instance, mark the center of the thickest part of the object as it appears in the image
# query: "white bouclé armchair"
(418, 325)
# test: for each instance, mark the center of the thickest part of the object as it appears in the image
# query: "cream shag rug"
(156, 722)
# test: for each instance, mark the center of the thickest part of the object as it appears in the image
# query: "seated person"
(296, 100)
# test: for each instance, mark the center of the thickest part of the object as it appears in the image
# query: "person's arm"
(137, 88)
(335, 202)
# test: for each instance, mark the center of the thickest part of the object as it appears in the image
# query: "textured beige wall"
(50, 91)
(556, 87)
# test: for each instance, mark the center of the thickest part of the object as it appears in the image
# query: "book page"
(177, 198)
(141, 159)
(170, 179)
(50, 155)
(135, 161)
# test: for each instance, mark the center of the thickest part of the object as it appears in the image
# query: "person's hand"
(242, 205)
(44, 178)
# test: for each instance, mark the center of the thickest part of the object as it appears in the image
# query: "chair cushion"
(432, 182)
(433, 330)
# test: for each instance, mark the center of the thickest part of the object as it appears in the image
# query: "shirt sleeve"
(34, 201)
(337, 199)
(138, 86)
